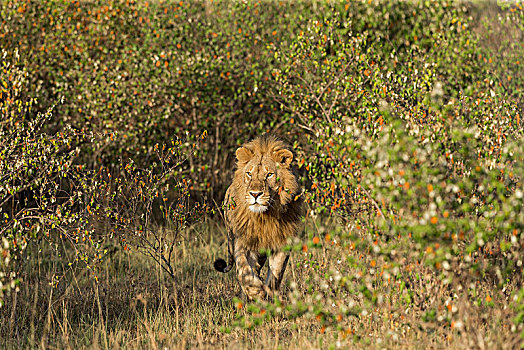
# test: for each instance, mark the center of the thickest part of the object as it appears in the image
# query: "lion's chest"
(263, 231)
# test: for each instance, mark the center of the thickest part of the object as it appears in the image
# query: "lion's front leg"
(256, 261)
(248, 269)
(277, 266)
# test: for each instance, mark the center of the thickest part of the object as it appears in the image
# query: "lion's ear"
(244, 155)
(283, 157)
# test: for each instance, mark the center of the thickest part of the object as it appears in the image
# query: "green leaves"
(408, 147)
(49, 193)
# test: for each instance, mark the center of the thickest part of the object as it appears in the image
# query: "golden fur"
(263, 205)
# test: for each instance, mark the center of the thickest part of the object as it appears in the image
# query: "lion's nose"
(255, 194)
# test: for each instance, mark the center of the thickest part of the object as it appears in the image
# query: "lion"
(263, 207)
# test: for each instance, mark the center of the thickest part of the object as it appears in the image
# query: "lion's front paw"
(258, 293)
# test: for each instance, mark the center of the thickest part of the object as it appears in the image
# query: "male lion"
(263, 207)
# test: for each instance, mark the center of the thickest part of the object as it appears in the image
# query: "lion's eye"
(269, 175)
(248, 174)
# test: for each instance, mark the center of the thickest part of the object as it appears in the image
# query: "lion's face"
(266, 177)
(261, 184)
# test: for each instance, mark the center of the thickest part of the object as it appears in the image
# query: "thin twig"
(376, 205)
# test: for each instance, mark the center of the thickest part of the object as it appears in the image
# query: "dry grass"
(135, 305)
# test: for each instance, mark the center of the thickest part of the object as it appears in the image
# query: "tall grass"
(135, 304)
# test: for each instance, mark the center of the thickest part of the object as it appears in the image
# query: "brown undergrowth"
(135, 304)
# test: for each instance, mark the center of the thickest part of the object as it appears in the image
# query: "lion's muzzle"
(258, 203)
(256, 194)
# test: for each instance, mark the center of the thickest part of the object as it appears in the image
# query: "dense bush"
(48, 194)
(397, 141)
(154, 70)
(419, 152)
(420, 158)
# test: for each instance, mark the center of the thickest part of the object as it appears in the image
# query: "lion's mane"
(270, 229)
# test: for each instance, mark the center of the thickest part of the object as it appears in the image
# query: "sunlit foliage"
(120, 120)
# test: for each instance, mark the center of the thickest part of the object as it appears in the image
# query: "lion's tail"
(220, 264)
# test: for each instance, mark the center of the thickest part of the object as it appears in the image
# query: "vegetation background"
(119, 121)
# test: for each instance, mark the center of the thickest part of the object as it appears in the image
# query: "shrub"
(35, 198)
(47, 194)
(153, 71)
(423, 165)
